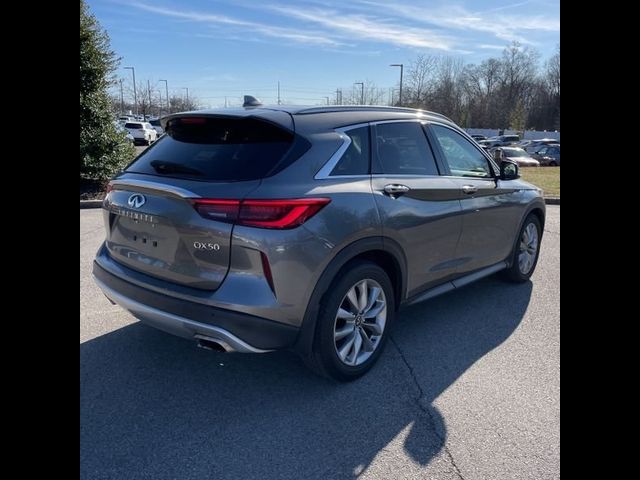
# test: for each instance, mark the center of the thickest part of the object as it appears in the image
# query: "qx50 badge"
(136, 200)
(206, 246)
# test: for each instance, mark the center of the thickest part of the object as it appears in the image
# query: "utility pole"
(337, 93)
(166, 87)
(135, 94)
(340, 96)
(187, 89)
(121, 99)
(401, 70)
(361, 91)
(225, 102)
(327, 100)
(278, 92)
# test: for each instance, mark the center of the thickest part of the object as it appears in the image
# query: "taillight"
(220, 210)
(279, 214)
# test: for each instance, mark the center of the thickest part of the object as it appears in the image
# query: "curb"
(90, 204)
(98, 203)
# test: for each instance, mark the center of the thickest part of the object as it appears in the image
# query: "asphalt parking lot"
(469, 388)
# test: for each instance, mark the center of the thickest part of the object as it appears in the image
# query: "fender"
(304, 342)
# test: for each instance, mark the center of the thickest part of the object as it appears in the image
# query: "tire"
(339, 321)
(553, 164)
(526, 252)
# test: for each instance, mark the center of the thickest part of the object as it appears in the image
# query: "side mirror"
(509, 170)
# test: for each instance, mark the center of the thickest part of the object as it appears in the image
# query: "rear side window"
(402, 149)
(215, 149)
(355, 160)
(132, 125)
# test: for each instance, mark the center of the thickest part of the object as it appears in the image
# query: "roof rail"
(364, 108)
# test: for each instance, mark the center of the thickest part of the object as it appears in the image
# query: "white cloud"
(261, 28)
(368, 28)
(508, 27)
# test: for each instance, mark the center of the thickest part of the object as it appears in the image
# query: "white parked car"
(155, 123)
(143, 132)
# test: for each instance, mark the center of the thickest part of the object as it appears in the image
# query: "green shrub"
(103, 149)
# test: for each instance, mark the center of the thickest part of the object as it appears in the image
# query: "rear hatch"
(151, 221)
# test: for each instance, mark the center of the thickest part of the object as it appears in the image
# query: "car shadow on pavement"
(154, 406)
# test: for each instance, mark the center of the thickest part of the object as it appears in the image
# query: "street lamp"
(401, 69)
(361, 92)
(135, 95)
(187, 89)
(166, 87)
(121, 99)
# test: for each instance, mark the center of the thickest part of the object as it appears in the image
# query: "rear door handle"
(469, 189)
(394, 189)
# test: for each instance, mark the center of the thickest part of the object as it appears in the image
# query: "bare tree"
(418, 80)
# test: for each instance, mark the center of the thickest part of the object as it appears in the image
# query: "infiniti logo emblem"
(136, 200)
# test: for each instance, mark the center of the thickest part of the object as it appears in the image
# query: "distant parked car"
(503, 140)
(485, 144)
(120, 128)
(477, 137)
(143, 132)
(515, 154)
(155, 123)
(534, 145)
(549, 155)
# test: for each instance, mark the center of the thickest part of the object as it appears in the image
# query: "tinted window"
(215, 149)
(463, 158)
(355, 160)
(132, 125)
(403, 149)
(155, 123)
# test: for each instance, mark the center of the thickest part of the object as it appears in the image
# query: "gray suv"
(263, 228)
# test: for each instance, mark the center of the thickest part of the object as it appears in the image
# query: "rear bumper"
(240, 332)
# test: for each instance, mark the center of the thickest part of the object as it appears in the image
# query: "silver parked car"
(515, 154)
(307, 228)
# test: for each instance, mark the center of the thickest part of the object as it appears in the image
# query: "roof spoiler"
(250, 101)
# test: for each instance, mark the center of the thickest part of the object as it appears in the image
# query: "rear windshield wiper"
(164, 167)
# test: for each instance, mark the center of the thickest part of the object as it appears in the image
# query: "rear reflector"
(280, 214)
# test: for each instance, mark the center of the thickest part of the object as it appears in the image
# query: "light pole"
(121, 99)
(166, 87)
(135, 95)
(327, 100)
(361, 92)
(401, 69)
(187, 89)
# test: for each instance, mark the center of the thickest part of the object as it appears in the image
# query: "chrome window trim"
(327, 168)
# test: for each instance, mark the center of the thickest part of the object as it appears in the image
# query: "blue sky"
(221, 48)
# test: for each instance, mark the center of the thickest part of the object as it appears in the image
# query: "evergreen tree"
(103, 149)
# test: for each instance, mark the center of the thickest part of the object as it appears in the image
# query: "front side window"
(463, 158)
(355, 160)
(402, 149)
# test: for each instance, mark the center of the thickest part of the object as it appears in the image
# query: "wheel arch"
(536, 208)
(383, 251)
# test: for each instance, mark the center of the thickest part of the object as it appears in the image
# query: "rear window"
(216, 149)
(155, 123)
(132, 125)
